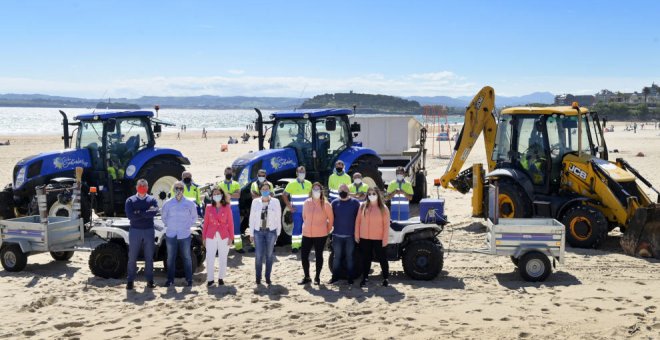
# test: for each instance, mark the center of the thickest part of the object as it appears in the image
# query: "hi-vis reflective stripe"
(298, 199)
(333, 194)
(234, 202)
(400, 199)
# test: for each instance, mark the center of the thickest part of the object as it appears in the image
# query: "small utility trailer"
(24, 236)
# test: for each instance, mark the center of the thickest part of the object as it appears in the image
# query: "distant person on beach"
(345, 210)
(178, 135)
(318, 220)
(218, 235)
(265, 225)
(141, 209)
(179, 214)
(371, 232)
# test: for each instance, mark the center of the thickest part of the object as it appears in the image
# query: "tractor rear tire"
(161, 174)
(513, 201)
(61, 255)
(586, 227)
(370, 173)
(420, 189)
(109, 260)
(422, 260)
(12, 257)
(534, 266)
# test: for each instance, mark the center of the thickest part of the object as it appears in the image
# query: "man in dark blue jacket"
(140, 210)
(345, 209)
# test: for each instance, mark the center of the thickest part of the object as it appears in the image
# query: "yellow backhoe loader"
(553, 162)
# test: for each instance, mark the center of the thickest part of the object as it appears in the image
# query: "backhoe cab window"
(503, 142)
(292, 133)
(564, 137)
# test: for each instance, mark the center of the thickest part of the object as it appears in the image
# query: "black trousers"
(306, 247)
(368, 248)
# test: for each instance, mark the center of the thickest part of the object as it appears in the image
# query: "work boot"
(151, 284)
(317, 280)
(209, 284)
(305, 281)
(129, 285)
(221, 282)
(386, 283)
(168, 284)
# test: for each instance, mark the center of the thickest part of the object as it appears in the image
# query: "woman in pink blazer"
(218, 234)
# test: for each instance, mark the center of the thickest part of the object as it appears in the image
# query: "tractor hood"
(273, 161)
(616, 173)
(49, 163)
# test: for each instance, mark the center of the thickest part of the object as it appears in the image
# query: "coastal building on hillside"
(649, 95)
(568, 99)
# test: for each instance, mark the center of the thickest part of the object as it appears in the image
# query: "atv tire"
(12, 257)
(422, 260)
(420, 189)
(109, 260)
(586, 227)
(287, 226)
(161, 174)
(534, 266)
(513, 201)
(61, 255)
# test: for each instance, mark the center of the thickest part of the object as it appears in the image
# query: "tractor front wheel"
(161, 175)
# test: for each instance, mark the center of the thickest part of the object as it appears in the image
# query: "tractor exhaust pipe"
(65, 125)
(259, 125)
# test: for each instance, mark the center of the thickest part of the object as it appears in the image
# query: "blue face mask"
(265, 193)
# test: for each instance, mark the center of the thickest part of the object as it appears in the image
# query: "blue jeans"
(181, 246)
(141, 239)
(264, 244)
(343, 248)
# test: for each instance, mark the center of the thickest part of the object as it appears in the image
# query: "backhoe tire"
(109, 260)
(513, 201)
(161, 174)
(534, 266)
(369, 171)
(586, 227)
(12, 257)
(419, 191)
(422, 260)
(61, 255)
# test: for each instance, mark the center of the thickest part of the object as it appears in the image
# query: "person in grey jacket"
(179, 214)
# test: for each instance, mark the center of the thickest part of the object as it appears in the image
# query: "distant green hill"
(366, 103)
(117, 106)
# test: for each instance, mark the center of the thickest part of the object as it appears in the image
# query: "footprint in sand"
(75, 324)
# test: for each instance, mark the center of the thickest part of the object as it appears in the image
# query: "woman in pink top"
(317, 223)
(218, 234)
(372, 227)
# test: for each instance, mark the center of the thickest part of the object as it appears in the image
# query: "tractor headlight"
(20, 178)
(243, 178)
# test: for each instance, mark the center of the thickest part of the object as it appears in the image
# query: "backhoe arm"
(479, 117)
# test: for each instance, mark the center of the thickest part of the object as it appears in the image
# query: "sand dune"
(596, 294)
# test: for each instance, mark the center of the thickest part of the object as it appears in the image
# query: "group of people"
(355, 215)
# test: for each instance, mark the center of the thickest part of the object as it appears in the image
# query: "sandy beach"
(596, 294)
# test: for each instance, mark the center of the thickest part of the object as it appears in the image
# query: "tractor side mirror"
(158, 128)
(330, 124)
(111, 125)
(355, 127)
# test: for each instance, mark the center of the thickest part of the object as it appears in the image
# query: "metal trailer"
(24, 236)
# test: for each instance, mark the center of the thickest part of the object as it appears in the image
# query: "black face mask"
(228, 176)
(339, 170)
(187, 180)
(343, 194)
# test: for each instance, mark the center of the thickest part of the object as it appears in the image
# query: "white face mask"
(399, 178)
(373, 198)
(316, 193)
(301, 176)
(261, 179)
(357, 180)
(217, 198)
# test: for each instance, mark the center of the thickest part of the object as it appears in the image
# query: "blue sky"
(289, 48)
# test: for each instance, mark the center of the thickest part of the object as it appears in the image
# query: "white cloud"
(234, 71)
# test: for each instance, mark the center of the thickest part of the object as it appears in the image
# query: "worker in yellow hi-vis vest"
(294, 197)
(400, 193)
(190, 191)
(233, 190)
(338, 177)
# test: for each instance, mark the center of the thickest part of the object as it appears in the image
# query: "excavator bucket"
(642, 237)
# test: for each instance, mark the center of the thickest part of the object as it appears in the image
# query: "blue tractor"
(114, 149)
(315, 139)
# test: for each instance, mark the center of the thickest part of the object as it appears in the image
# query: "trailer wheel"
(515, 260)
(586, 227)
(61, 255)
(534, 266)
(420, 189)
(12, 257)
(422, 260)
(109, 260)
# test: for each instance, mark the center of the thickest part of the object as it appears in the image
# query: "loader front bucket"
(642, 237)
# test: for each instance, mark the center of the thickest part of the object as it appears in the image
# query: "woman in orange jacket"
(317, 224)
(372, 227)
(218, 234)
